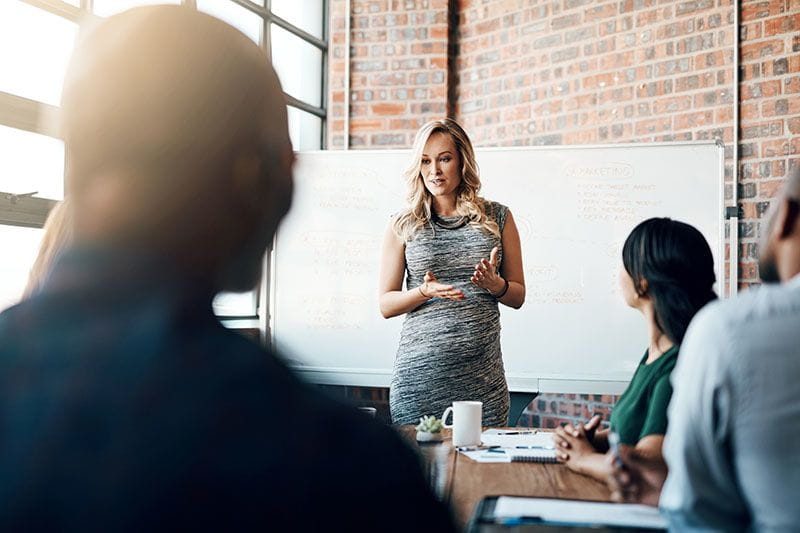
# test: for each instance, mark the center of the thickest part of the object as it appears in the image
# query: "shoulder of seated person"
(752, 304)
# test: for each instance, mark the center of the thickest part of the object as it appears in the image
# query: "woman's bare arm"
(393, 300)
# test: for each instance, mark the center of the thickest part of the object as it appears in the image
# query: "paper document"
(510, 455)
(483, 456)
(512, 438)
(577, 512)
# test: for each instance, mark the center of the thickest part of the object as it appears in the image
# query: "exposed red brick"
(751, 10)
(780, 25)
(761, 49)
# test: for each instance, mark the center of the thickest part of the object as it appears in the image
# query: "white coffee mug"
(466, 422)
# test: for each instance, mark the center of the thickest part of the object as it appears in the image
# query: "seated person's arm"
(580, 456)
(635, 479)
(650, 447)
(586, 457)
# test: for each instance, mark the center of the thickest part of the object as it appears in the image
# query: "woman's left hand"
(572, 445)
(486, 276)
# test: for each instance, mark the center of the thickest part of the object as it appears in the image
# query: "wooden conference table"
(463, 482)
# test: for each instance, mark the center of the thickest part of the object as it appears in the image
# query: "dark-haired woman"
(668, 275)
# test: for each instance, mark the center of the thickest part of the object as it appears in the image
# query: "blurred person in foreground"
(731, 447)
(57, 235)
(124, 403)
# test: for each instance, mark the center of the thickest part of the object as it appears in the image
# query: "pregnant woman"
(460, 255)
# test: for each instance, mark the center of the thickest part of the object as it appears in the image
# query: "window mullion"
(70, 12)
(29, 115)
(25, 211)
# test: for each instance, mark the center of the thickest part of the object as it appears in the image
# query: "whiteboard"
(574, 207)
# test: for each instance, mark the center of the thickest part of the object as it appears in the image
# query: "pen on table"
(613, 446)
(476, 448)
(517, 521)
(534, 447)
(518, 432)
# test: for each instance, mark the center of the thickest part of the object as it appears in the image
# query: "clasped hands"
(485, 277)
(574, 443)
(631, 476)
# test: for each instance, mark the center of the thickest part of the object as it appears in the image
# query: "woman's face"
(628, 290)
(440, 166)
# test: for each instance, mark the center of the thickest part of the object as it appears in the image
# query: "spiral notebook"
(511, 455)
(532, 456)
(515, 446)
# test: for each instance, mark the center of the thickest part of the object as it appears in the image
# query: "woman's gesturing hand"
(431, 288)
(486, 276)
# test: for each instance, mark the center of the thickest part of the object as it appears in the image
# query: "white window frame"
(37, 117)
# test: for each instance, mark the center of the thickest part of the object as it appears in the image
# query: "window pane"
(237, 16)
(299, 66)
(305, 130)
(36, 46)
(106, 8)
(31, 162)
(240, 304)
(306, 15)
(20, 246)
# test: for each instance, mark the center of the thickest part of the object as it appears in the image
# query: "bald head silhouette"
(176, 141)
(779, 256)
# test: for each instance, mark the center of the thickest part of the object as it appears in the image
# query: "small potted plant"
(429, 429)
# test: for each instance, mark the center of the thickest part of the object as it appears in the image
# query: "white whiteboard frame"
(517, 382)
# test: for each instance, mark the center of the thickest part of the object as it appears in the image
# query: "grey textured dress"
(450, 350)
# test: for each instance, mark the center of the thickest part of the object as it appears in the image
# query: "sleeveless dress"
(450, 350)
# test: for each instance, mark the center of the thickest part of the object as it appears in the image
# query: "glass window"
(31, 162)
(238, 304)
(299, 66)
(106, 8)
(244, 20)
(305, 130)
(19, 249)
(307, 15)
(36, 47)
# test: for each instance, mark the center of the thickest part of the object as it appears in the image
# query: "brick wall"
(532, 72)
(591, 71)
(597, 71)
(398, 70)
(770, 114)
(551, 410)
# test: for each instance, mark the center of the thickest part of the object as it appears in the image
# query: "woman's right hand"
(431, 288)
(590, 428)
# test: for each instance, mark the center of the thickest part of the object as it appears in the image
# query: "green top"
(642, 408)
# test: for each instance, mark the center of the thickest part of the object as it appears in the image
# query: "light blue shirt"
(733, 443)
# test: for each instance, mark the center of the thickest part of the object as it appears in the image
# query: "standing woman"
(460, 255)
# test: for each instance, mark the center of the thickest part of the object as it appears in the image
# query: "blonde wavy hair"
(468, 204)
(57, 236)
